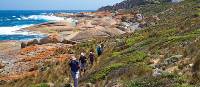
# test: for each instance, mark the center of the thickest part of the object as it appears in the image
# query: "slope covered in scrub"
(170, 44)
(129, 4)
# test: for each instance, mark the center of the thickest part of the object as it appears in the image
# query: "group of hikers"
(81, 63)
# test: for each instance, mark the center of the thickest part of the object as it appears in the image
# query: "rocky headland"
(146, 45)
(19, 59)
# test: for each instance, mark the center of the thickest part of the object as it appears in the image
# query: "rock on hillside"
(52, 27)
(97, 32)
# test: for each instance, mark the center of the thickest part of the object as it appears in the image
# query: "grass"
(136, 38)
(105, 71)
(166, 80)
(138, 56)
(126, 57)
(40, 85)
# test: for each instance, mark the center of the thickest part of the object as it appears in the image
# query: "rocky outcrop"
(97, 31)
(52, 27)
(51, 39)
(23, 44)
(33, 42)
(1, 65)
(68, 42)
(29, 43)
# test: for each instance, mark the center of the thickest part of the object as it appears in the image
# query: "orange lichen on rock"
(30, 58)
(19, 76)
(35, 53)
(62, 57)
(28, 49)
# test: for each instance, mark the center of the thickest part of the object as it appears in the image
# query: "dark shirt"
(99, 50)
(82, 59)
(91, 56)
(74, 65)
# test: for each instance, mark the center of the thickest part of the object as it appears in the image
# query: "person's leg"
(75, 82)
(73, 77)
(76, 79)
(92, 61)
(98, 53)
(84, 67)
(81, 69)
(81, 65)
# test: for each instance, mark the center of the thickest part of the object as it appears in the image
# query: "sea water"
(12, 21)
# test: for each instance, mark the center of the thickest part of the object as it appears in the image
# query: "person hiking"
(74, 65)
(91, 56)
(99, 50)
(83, 61)
(102, 46)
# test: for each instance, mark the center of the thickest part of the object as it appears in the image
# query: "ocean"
(11, 21)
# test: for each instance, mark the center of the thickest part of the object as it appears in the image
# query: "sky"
(55, 4)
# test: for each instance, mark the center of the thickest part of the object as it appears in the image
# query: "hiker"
(74, 65)
(99, 50)
(91, 56)
(102, 46)
(83, 61)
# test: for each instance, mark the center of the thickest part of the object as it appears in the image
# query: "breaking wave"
(15, 30)
(42, 17)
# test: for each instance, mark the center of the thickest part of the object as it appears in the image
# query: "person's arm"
(78, 65)
(93, 54)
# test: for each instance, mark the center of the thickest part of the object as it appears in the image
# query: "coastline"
(60, 34)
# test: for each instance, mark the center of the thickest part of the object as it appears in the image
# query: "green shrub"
(167, 32)
(102, 73)
(116, 54)
(195, 32)
(183, 85)
(136, 38)
(182, 38)
(41, 85)
(197, 14)
(135, 57)
(166, 80)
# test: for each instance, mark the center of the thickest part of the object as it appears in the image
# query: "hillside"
(128, 4)
(163, 54)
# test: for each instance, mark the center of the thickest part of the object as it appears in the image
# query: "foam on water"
(16, 33)
(16, 30)
(43, 17)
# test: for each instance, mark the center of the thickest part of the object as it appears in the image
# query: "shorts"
(75, 75)
(83, 65)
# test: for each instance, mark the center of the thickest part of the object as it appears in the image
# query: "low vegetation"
(127, 59)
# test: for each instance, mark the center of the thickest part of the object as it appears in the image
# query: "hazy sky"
(54, 4)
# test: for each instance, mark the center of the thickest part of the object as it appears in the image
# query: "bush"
(138, 56)
(116, 54)
(166, 80)
(136, 38)
(41, 85)
(105, 71)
